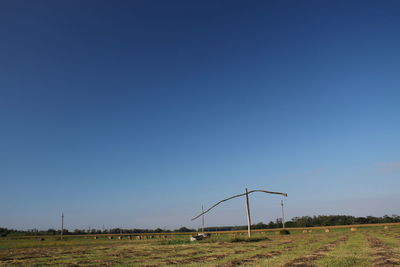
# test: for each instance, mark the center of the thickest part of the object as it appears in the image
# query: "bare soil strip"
(383, 255)
(308, 260)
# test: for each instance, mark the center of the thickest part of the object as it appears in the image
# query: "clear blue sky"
(135, 113)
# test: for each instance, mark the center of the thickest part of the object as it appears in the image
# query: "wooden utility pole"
(248, 214)
(283, 215)
(62, 225)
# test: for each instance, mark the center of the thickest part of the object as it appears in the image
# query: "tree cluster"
(33, 232)
(308, 221)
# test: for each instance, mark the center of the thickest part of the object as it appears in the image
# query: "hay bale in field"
(386, 227)
(353, 229)
(129, 237)
(119, 237)
(195, 238)
(199, 237)
(95, 237)
(110, 237)
(327, 230)
(138, 237)
(165, 236)
(151, 237)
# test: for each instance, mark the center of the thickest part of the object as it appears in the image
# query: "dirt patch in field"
(187, 260)
(308, 260)
(383, 255)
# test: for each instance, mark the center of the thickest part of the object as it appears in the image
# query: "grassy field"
(368, 246)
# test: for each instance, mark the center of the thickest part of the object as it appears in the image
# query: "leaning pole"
(246, 194)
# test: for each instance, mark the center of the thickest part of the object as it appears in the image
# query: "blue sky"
(135, 113)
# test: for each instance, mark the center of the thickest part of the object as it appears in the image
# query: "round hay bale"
(129, 237)
(386, 227)
(353, 229)
(119, 237)
(95, 237)
(327, 230)
(110, 237)
(138, 237)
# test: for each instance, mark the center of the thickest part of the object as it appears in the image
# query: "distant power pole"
(202, 217)
(283, 215)
(62, 225)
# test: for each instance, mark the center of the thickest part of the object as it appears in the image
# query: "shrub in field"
(247, 239)
(284, 232)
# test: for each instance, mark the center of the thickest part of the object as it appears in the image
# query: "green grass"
(354, 252)
(266, 249)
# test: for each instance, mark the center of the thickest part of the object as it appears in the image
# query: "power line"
(246, 194)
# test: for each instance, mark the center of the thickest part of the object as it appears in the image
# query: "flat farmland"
(367, 246)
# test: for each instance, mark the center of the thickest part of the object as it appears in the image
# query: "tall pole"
(283, 215)
(62, 225)
(248, 214)
(202, 217)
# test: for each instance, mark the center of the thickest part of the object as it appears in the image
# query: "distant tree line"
(33, 232)
(304, 221)
(308, 221)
